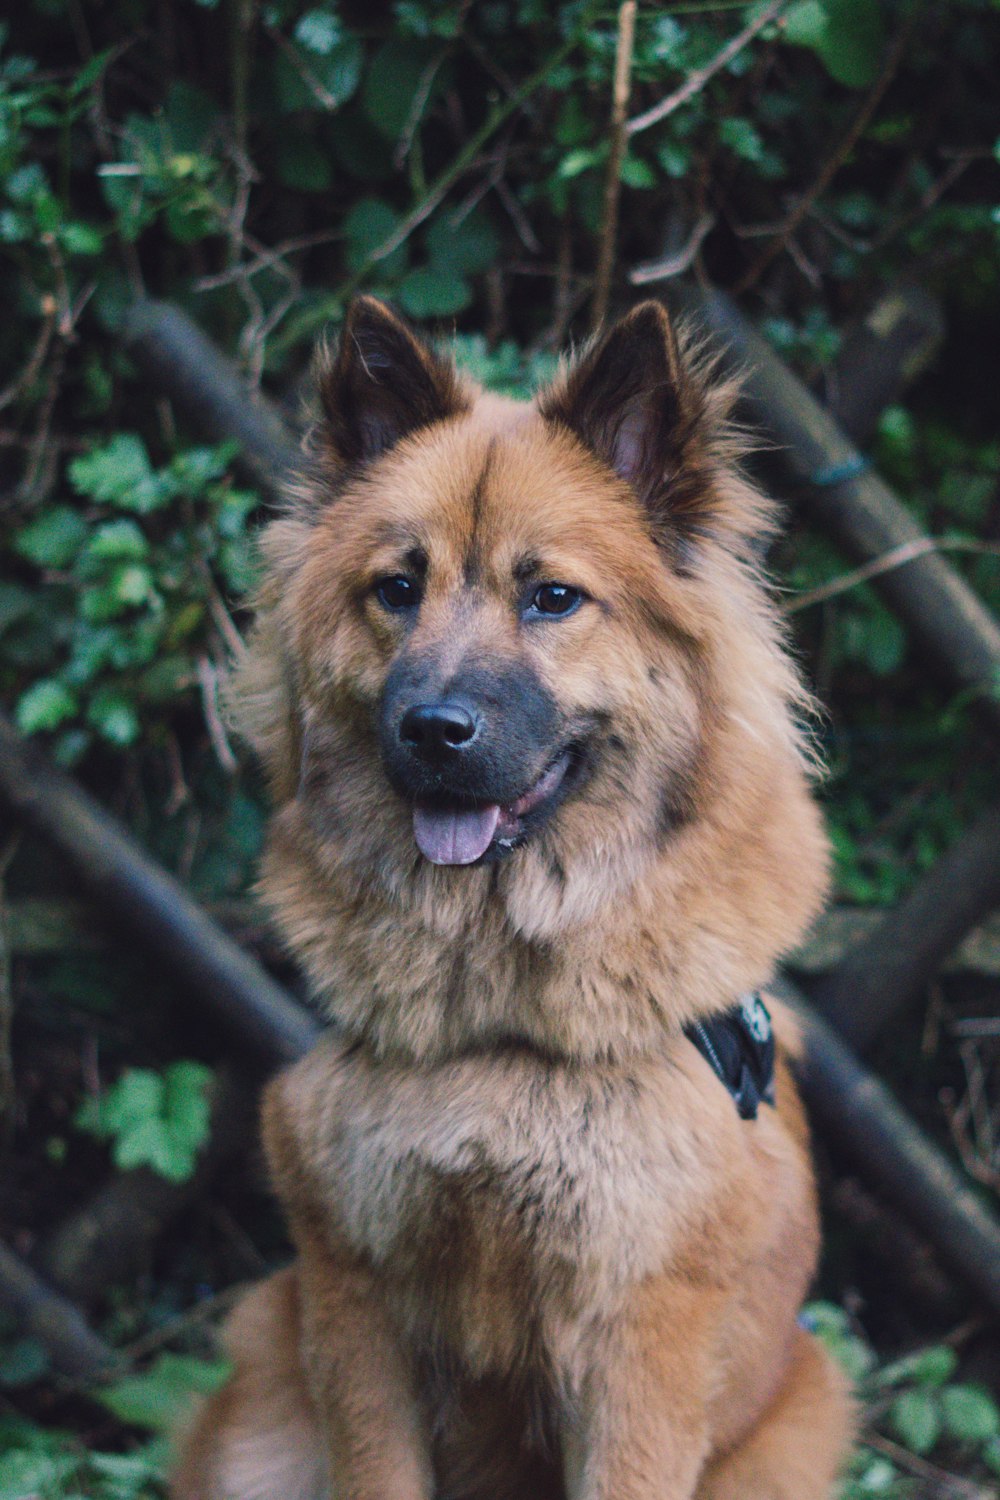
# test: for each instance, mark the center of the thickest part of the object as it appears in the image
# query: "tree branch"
(697, 80)
(618, 141)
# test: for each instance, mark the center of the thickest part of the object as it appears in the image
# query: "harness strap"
(738, 1046)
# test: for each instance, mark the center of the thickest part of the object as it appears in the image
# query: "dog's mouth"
(461, 835)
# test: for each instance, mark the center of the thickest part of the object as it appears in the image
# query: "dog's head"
(529, 636)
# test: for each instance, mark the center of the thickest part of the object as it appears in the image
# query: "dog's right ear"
(384, 383)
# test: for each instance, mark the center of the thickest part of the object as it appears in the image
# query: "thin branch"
(697, 80)
(208, 682)
(620, 92)
(469, 153)
(677, 263)
(832, 165)
(896, 557)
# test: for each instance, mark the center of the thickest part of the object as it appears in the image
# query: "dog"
(543, 825)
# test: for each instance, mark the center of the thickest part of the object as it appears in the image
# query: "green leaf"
(367, 226)
(318, 31)
(848, 36)
(464, 249)
(117, 540)
(636, 173)
(970, 1413)
(54, 539)
(154, 1120)
(191, 471)
(575, 162)
(142, 1143)
(46, 705)
(81, 239)
(159, 1399)
(928, 1367)
(340, 71)
(394, 76)
(301, 165)
(428, 293)
(111, 473)
(915, 1418)
(742, 137)
(16, 603)
(114, 718)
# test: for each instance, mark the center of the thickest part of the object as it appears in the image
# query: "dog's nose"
(435, 730)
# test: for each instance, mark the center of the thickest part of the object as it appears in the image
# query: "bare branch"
(697, 80)
(621, 89)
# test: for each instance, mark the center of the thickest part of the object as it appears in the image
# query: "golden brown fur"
(540, 1254)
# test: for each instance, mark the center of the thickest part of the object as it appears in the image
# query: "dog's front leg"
(639, 1430)
(360, 1383)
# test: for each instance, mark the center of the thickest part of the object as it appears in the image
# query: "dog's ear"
(384, 383)
(631, 402)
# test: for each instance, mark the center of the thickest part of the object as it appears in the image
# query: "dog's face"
(488, 619)
(521, 637)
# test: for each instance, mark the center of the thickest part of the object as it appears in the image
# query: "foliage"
(159, 1120)
(916, 1403)
(258, 163)
(46, 1464)
(41, 1464)
(108, 634)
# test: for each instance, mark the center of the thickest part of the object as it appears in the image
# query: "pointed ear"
(383, 384)
(630, 401)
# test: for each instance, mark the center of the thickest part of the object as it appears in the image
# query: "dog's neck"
(429, 966)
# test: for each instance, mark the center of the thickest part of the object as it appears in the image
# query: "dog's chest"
(511, 1180)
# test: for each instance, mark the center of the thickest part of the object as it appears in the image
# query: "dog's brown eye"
(397, 593)
(555, 599)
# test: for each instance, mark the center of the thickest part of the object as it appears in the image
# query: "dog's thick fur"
(539, 1253)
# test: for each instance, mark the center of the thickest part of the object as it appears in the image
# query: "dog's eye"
(397, 593)
(555, 599)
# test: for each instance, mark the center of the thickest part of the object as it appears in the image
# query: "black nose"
(434, 730)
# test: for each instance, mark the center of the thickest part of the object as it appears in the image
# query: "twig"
(417, 106)
(677, 263)
(319, 91)
(950, 1484)
(618, 141)
(443, 184)
(223, 620)
(202, 1312)
(697, 80)
(268, 259)
(36, 359)
(832, 165)
(208, 681)
(895, 558)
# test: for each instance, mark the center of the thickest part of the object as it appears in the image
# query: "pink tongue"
(454, 838)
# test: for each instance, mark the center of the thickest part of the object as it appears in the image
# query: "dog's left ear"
(631, 402)
(384, 384)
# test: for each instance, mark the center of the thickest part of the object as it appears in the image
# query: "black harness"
(738, 1046)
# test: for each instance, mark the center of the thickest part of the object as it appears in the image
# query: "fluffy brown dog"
(542, 805)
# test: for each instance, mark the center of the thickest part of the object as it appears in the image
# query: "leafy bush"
(129, 586)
